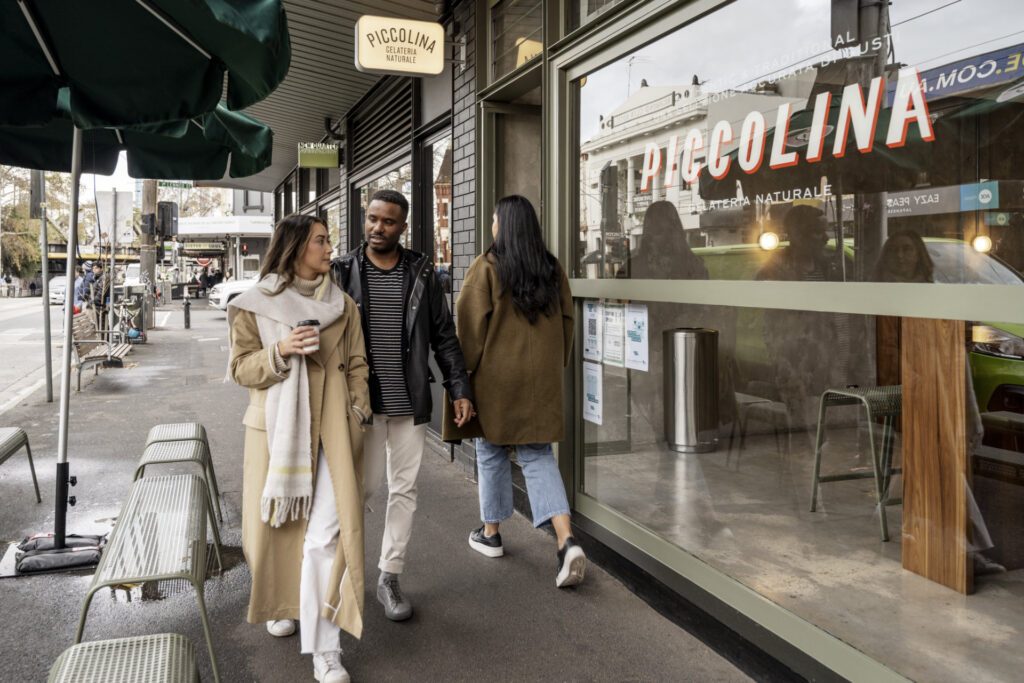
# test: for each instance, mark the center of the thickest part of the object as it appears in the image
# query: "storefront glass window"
(441, 152)
(709, 425)
(583, 12)
(700, 161)
(517, 34)
(333, 217)
(399, 180)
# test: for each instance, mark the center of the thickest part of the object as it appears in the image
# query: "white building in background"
(657, 114)
(238, 242)
(252, 203)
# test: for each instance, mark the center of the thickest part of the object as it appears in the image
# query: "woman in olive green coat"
(515, 325)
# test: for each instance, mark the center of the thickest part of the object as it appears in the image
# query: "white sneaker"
(327, 668)
(281, 628)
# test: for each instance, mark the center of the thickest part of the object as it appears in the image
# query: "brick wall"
(464, 246)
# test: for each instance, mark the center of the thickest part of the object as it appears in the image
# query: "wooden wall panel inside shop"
(935, 463)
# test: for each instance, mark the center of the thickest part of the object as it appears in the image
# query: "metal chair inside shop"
(880, 403)
(761, 404)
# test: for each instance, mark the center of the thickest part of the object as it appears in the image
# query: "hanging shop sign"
(201, 248)
(856, 117)
(385, 45)
(318, 155)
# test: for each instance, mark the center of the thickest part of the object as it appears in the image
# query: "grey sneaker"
(389, 594)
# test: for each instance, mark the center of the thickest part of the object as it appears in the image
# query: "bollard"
(188, 316)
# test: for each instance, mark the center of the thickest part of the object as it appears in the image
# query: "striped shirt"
(386, 299)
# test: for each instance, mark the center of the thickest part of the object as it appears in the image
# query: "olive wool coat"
(516, 368)
(338, 375)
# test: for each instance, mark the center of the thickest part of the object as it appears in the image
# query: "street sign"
(123, 219)
(203, 262)
(318, 155)
(175, 184)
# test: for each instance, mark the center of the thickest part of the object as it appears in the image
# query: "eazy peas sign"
(385, 45)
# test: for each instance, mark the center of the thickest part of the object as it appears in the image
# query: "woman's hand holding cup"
(302, 340)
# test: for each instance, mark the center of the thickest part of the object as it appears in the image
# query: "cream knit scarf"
(288, 493)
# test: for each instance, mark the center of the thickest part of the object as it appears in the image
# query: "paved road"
(22, 347)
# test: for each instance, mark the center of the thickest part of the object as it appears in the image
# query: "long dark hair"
(888, 269)
(526, 269)
(664, 251)
(286, 247)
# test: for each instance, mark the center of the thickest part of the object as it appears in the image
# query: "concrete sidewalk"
(476, 618)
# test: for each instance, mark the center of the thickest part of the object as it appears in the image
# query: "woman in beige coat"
(302, 513)
(515, 325)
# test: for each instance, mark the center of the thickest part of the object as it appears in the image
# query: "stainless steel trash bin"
(691, 389)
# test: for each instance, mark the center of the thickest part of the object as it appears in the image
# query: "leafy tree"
(20, 234)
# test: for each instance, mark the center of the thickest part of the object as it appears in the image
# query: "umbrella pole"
(61, 501)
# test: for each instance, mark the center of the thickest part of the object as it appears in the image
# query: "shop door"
(512, 135)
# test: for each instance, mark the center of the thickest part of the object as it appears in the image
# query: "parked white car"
(58, 290)
(221, 294)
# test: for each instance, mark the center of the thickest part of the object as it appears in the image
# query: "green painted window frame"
(566, 61)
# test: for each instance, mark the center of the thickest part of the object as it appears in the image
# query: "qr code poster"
(593, 327)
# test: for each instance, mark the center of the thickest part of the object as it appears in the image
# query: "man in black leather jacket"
(404, 313)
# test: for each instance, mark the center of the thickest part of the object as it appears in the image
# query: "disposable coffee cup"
(315, 344)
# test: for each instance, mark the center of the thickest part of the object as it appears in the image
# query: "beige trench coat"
(338, 375)
(516, 368)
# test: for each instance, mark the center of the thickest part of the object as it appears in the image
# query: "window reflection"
(907, 132)
(400, 180)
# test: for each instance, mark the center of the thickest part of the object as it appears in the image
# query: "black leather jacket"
(428, 323)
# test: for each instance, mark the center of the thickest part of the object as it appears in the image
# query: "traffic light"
(245, 249)
(167, 219)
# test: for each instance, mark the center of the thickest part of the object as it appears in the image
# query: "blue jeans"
(543, 481)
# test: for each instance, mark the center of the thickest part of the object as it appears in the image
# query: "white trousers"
(318, 551)
(394, 444)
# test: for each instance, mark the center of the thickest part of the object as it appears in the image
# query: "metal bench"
(161, 658)
(160, 535)
(88, 348)
(11, 441)
(883, 403)
(192, 450)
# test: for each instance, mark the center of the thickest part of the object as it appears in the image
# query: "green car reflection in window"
(997, 349)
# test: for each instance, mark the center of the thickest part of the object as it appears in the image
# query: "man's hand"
(463, 411)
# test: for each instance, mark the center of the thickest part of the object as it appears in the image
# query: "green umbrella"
(203, 148)
(127, 62)
(194, 149)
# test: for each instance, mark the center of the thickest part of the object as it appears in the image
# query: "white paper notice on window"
(637, 338)
(593, 317)
(614, 334)
(593, 389)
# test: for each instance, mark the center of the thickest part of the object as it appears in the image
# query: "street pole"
(113, 275)
(69, 297)
(147, 249)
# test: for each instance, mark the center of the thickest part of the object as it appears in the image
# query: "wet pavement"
(475, 618)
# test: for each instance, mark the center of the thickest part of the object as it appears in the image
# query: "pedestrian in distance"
(297, 345)
(77, 292)
(405, 314)
(515, 324)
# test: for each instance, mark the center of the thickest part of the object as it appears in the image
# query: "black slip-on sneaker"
(572, 564)
(486, 545)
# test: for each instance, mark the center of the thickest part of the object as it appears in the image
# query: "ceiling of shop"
(322, 80)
